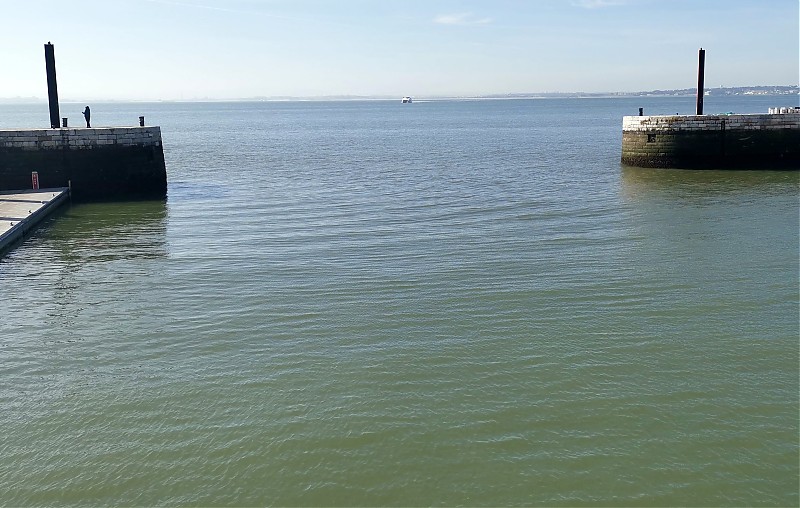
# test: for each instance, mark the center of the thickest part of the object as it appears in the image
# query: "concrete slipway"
(21, 211)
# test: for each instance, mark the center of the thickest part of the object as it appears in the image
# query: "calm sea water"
(443, 303)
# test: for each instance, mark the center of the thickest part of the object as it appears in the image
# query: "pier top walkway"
(21, 211)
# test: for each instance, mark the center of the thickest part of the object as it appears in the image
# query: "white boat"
(406, 100)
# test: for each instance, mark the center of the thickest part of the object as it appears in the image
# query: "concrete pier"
(22, 211)
(98, 164)
(769, 141)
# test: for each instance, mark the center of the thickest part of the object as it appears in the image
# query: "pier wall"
(102, 163)
(770, 141)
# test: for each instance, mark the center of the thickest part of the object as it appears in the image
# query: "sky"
(226, 49)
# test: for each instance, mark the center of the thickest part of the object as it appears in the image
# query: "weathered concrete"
(770, 141)
(22, 211)
(102, 163)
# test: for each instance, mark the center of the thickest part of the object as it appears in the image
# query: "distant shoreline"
(684, 92)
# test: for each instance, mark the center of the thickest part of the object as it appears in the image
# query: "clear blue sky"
(185, 49)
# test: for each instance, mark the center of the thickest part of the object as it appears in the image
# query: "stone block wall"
(712, 141)
(102, 163)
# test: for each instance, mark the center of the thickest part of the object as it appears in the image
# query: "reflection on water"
(76, 245)
(646, 183)
(723, 244)
(716, 214)
(97, 232)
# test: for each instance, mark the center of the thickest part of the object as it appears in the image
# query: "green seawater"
(375, 304)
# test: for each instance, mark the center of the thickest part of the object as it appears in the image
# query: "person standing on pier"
(87, 114)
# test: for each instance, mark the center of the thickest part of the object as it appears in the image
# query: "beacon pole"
(52, 88)
(701, 70)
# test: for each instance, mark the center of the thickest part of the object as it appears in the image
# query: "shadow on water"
(180, 191)
(699, 185)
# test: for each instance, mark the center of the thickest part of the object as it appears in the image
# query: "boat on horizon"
(406, 100)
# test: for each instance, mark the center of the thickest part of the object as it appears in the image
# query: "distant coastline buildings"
(680, 92)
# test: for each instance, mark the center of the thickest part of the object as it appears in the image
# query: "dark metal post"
(52, 89)
(141, 121)
(641, 111)
(701, 70)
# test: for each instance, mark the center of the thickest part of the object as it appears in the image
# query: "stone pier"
(96, 164)
(770, 141)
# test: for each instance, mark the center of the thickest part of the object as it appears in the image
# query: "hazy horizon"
(499, 95)
(239, 49)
